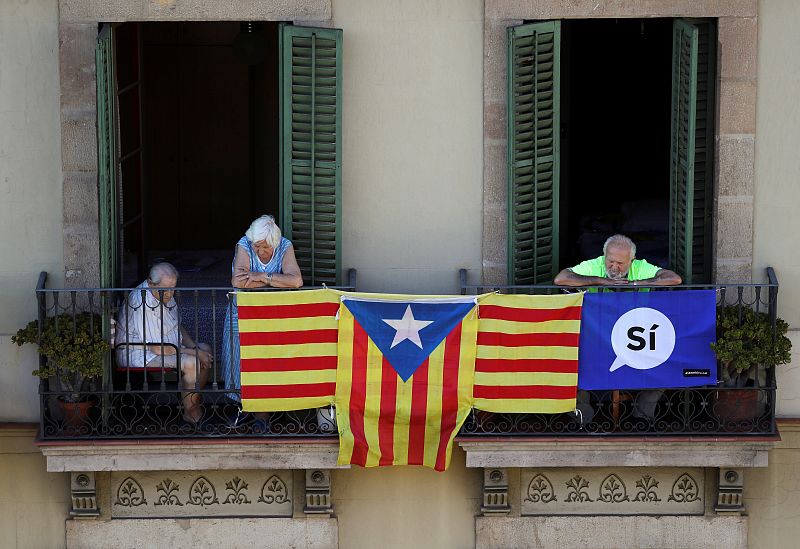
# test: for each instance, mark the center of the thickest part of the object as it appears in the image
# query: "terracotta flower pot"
(75, 414)
(737, 409)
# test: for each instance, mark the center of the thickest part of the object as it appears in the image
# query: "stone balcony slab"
(626, 452)
(190, 455)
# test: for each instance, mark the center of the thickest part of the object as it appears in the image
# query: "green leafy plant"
(745, 344)
(74, 348)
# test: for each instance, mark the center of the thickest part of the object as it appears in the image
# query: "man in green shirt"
(618, 266)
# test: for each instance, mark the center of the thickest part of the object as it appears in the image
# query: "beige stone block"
(494, 120)
(733, 271)
(560, 9)
(77, 44)
(734, 228)
(736, 165)
(234, 533)
(738, 40)
(80, 199)
(699, 532)
(81, 240)
(495, 236)
(495, 191)
(495, 59)
(73, 10)
(737, 107)
(81, 256)
(78, 141)
(495, 274)
(194, 10)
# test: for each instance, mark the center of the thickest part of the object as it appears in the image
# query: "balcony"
(129, 403)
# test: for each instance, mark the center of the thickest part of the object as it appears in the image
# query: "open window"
(203, 126)
(610, 129)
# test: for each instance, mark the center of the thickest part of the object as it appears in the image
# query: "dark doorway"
(615, 117)
(210, 150)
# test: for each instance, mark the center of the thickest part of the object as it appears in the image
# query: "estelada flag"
(404, 379)
(527, 353)
(288, 349)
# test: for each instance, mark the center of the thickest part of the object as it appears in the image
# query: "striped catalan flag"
(527, 353)
(386, 420)
(288, 349)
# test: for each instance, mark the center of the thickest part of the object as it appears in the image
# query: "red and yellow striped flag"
(527, 355)
(384, 420)
(288, 349)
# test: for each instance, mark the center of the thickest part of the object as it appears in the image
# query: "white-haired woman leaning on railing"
(262, 258)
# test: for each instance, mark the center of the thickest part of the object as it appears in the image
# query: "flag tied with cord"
(404, 370)
(527, 358)
(288, 349)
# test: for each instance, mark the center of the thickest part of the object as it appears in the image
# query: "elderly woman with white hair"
(262, 258)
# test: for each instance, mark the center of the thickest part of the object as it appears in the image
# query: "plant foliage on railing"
(74, 348)
(746, 341)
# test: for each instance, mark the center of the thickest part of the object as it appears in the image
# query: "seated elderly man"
(618, 266)
(143, 341)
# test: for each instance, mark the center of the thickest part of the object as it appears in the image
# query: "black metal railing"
(147, 399)
(128, 402)
(710, 411)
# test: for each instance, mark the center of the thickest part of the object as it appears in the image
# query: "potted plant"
(745, 348)
(74, 350)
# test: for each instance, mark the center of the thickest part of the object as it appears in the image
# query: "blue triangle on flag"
(407, 332)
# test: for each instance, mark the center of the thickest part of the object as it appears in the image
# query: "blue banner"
(647, 340)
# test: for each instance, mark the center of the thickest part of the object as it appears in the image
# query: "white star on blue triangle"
(407, 332)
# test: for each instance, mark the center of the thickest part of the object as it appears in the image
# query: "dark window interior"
(615, 119)
(209, 114)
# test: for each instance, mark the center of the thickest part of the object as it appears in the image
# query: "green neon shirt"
(640, 269)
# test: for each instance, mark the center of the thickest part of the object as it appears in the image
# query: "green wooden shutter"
(533, 151)
(311, 149)
(692, 149)
(106, 158)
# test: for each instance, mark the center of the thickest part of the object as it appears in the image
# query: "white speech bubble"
(642, 338)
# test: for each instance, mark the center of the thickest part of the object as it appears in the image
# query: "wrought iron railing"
(128, 401)
(711, 411)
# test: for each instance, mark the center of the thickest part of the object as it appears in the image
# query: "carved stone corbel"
(729, 492)
(318, 492)
(495, 492)
(84, 496)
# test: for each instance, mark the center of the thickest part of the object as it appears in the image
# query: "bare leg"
(194, 376)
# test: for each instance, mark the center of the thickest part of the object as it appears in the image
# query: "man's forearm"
(569, 278)
(664, 277)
